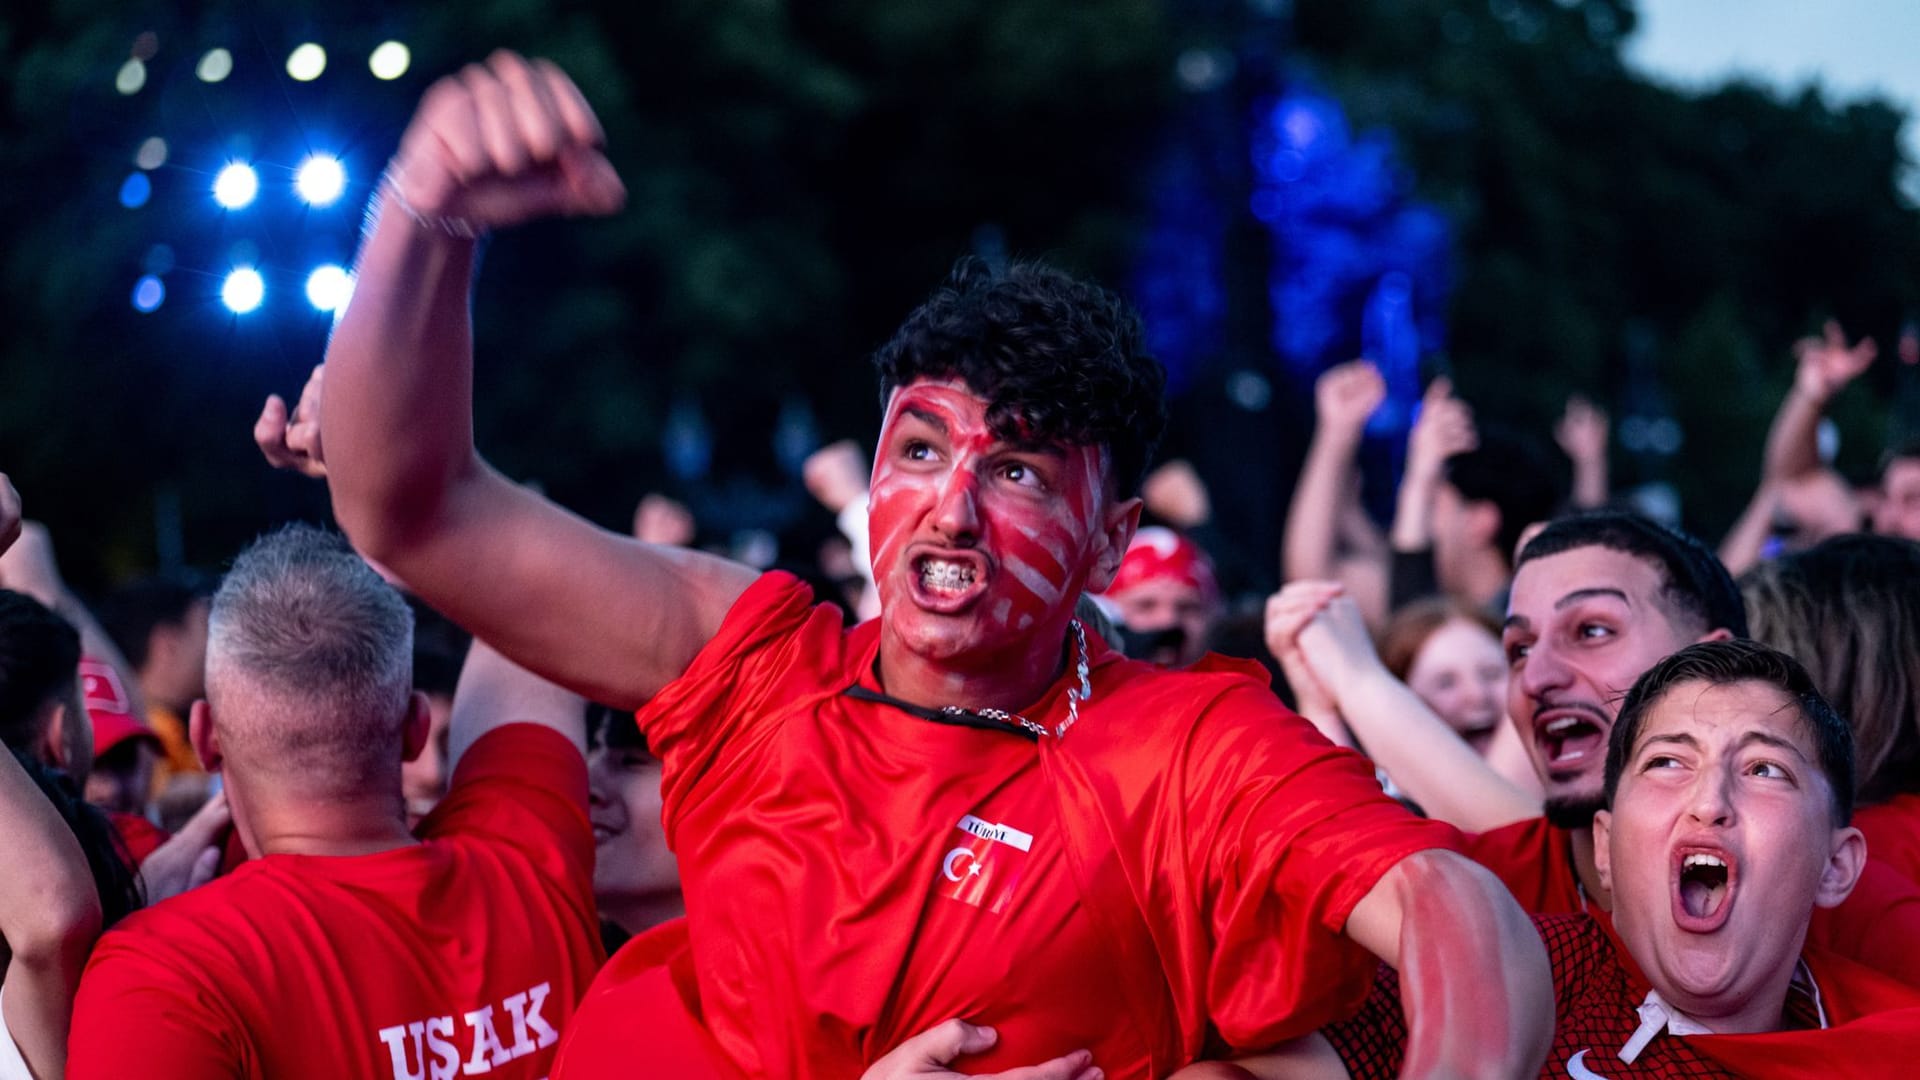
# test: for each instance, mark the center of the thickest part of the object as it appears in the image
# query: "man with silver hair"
(347, 945)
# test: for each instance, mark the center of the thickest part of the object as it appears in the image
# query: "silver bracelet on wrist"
(459, 228)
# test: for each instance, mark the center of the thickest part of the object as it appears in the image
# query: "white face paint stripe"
(1047, 591)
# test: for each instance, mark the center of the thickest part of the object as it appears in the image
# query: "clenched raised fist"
(500, 143)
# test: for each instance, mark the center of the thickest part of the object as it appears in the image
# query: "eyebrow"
(932, 420)
(1681, 738)
(1578, 595)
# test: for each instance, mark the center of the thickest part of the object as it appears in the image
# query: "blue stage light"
(328, 287)
(236, 185)
(149, 293)
(243, 290)
(135, 191)
(320, 180)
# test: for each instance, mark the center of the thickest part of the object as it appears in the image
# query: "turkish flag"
(984, 863)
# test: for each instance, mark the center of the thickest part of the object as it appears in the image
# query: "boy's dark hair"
(39, 661)
(1723, 663)
(614, 729)
(1520, 477)
(1059, 360)
(1695, 583)
(129, 613)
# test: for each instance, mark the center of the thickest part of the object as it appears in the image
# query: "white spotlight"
(214, 65)
(390, 60)
(243, 290)
(320, 180)
(328, 287)
(306, 63)
(236, 185)
(131, 77)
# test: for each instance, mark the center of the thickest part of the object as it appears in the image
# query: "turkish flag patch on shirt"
(984, 864)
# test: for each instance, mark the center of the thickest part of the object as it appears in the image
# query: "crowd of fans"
(991, 787)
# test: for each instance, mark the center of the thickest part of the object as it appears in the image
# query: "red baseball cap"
(1158, 554)
(110, 708)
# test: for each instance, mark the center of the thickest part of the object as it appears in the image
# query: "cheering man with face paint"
(1729, 785)
(969, 807)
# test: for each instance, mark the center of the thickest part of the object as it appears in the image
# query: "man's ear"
(1844, 864)
(1602, 852)
(1116, 533)
(1718, 633)
(201, 733)
(417, 728)
(69, 740)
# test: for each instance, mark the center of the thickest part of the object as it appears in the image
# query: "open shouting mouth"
(1570, 736)
(1704, 879)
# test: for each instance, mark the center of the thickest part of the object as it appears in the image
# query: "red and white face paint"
(980, 546)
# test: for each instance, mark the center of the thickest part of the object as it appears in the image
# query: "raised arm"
(1445, 428)
(1425, 757)
(1582, 433)
(29, 567)
(494, 146)
(1823, 367)
(1343, 398)
(494, 691)
(49, 915)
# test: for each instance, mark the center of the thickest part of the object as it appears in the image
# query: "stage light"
(132, 76)
(243, 290)
(329, 287)
(306, 63)
(320, 180)
(135, 191)
(215, 65)
(148, 293)
(390, 60)
(236, 185)
(152, 153)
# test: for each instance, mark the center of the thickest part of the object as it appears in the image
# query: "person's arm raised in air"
(29, 567)
(1443, 429)
(1744, 544)
(494, 691)
(1425, 757)
(1582, 434)
(496, 145)
(1823, 367)
(1343, 398)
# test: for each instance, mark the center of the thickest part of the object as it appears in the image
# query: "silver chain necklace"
(1075, 695)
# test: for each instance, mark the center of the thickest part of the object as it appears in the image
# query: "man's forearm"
(1793, 445)
(1474, 975)
(398, 423)
(1307, 549)
(1425, 757)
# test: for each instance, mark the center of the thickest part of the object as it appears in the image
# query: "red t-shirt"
(1179, 866)
(141, 837)
(1878, 925)
(465, 951)
(1893, 834)
(1846, 1020)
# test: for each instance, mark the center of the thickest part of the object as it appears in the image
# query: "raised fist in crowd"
(507, 141)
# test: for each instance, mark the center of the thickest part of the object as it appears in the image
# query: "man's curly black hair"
(1057, 359)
